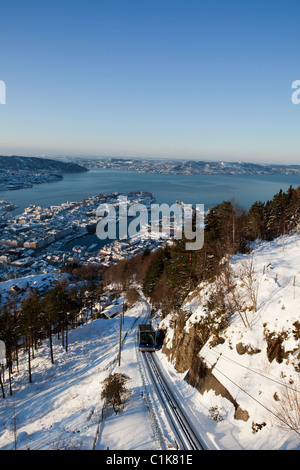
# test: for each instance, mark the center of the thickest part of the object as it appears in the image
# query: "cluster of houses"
(19, 179)
(41, 239)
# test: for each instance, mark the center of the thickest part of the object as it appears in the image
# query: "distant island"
(17, 172)
(190, 167)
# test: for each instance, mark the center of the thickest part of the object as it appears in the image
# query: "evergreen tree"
(155, 270)
(50, 316)
(293, 208)
(181, 270)
(62, 308)
(30, 324)
(256, 221)
(14, 310)
(9, 335)
(220, 229)
(75, 305)
(91, 296)
(99, 293)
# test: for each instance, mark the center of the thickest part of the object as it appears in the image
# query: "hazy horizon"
(93, 157)
(154, 79)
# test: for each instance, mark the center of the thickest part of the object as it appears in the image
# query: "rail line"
(186, 437)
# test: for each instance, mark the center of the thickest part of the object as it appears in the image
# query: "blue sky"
(207, 79)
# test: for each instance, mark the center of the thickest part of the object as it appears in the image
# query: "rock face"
(184, 354)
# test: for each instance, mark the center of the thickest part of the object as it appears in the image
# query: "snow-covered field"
(62, 408)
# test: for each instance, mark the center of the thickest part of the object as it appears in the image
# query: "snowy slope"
(253, 381)
(62, 408)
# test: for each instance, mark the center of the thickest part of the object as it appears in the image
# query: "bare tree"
(287, 409)
(233, 295)
(242, 289)
(250, 281)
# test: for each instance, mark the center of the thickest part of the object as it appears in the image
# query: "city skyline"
(162, 79)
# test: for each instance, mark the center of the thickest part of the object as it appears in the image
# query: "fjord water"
(191, 189)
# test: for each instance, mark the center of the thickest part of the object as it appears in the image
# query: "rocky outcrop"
(184, 354)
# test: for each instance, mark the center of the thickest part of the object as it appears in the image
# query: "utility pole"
(120, 338)
(15, 423)
(294, 284)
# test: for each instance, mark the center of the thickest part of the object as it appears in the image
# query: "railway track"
(186, 437)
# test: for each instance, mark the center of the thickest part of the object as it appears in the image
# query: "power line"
(247, 393)
(254, 371)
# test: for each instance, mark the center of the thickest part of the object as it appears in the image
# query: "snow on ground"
(40, 281)
(253, 381)
(62, 408)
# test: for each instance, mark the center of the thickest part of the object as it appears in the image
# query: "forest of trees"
(166, 276)
(169, 274)
(24, 325)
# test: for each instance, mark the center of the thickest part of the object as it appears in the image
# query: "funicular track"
(186, 437)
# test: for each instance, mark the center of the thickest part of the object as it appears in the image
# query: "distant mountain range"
(194, 166)
(16, 163)
(190, 167)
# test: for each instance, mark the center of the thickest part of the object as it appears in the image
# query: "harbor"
(42, 240)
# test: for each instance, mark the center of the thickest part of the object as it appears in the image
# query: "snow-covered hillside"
(62, 408)
(262, 376)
